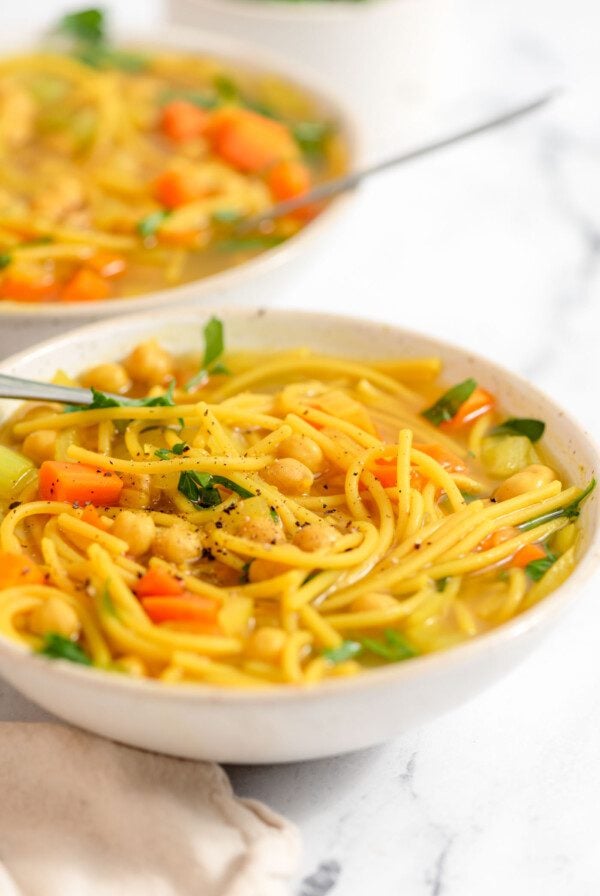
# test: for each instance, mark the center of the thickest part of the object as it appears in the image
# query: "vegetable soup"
(259, 519)
(125, 172)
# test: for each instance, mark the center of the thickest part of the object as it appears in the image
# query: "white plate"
(294, 723)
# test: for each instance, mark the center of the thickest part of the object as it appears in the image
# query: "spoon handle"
(333, 187)
(15, 387)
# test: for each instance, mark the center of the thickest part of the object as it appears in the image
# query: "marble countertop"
(495, 245)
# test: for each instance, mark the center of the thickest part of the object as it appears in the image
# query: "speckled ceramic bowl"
(294, 723)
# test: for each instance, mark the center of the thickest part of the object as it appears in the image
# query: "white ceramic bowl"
(294, 723)
(22, 324)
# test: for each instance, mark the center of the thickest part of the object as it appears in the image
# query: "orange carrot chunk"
(86, 285)
(478, 403)
(185, 608)
(107, 264)
(527, 554)
(173, 189)
(496, 538)
(288, 179)
(158, 582)
(17, 569)
(78, 484)
(25, 286)
(249, 141)
(182, 121)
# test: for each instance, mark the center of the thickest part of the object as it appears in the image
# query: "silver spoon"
(15, 387)
(331, 188)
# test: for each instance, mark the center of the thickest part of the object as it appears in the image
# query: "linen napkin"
(81, 816)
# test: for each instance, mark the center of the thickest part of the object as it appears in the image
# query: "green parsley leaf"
(469, 498)
(245, 573)
(226, 216)
(521, 426)
(107, 401)
(88, 26)
(57, 647)
(214, 346)
(393, 649)
(311, 136)
(537, 568)
(101, 56)
(203, 100)
(199, 488)
(163, 453)
(571, 511)
(5, 259)
(441, 583)
(344, 652)
(273, 514)
(227, 89)
(148, 226)
(446, 407)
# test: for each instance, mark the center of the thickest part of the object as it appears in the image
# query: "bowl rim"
(246, 53)
(281, 12)
(197, 692)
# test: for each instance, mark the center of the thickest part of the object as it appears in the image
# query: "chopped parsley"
(538, 568)
(571, 511)
(214, 346)
(5, 259)
(200, 488)
(150, 224)
(100, 400)
(346, 651)
(521, 426)
(393, 648)
(57, 647)
(446, 407)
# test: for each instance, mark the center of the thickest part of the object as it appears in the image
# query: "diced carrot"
(444, 457)
(527, 554)
(78, 484)
(181, 121)
(498, 537)
(288, 179)
(478, 403)
(174, 188)
(385, 471)
(17, 569)
(86, 285)
(107, 264)
(185, 608)
(26, 286)
(158, 582)
(91, 516)
(249, 141)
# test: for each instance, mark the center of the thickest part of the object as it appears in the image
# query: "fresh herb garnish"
(200, 488)
(149, 225)
(393, 648)
(571, 511)
(58, 647)
(203, 100)
(227, 89)
(446, 407)
(521, 426)
(245, 573)
(273, 514)
(226, 216)
(249, 243)
(88, 26)
(214, 346)
(5, 259)
(101, 56)
(177, 450)
(100, 400)
(468, 497)
(441, 583)
(344, 652)
(537, 568)
(311, 136)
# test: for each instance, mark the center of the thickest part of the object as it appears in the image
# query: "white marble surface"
(495, 245)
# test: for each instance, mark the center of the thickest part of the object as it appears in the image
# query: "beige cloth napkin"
(81, 816)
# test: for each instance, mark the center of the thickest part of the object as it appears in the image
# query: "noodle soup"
(251, 520)
(125, 172)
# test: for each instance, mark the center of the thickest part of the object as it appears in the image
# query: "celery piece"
(15, 472)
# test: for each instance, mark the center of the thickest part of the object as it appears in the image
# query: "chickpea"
(176, 544)
(137, 529)
(315, 537)
(266, 644)
(136, 491)
(107, 378)
(369, 602)
(304, 449)
(534, 476)
(149, 363)
(55, 615)
(40, 445)
(288, 475)
(265, 569)
(262, 531)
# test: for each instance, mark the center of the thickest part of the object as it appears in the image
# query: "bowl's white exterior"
(23, 324)
(337, 716)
